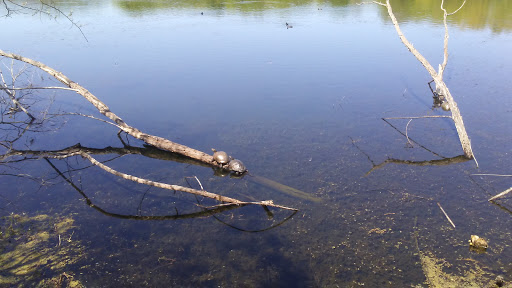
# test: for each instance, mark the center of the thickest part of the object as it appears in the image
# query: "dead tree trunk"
(437, 76)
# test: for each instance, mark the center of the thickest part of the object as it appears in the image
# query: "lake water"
(301, 106)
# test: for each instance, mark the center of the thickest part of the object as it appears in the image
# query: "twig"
(39, 88)
(406, 135)
(476, 162)
(419, 117)
(501, 194)
(263, 203)
(371, 2)
(498, 175)
(448, 14)
(200, 185)
(446, 214)
(41, 11)
(426, 149)
(13, 98)
(87, 116)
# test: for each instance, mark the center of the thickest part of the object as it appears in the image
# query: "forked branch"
(154, 141)
(437, 76)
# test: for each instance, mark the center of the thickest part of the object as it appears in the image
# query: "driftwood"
(78, 150)
(155, 141)
(148, 151)
(437, 76)
(206, 212)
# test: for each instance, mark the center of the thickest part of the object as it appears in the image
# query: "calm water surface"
(299, 106)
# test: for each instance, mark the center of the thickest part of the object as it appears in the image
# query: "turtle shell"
(221, 157)
(445, 106)
(237, 166)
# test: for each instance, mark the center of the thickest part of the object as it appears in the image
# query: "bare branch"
(158, 184)
(87, 116)
(457, 9)
(446, 215)
(372, 2)
(177, 187)
(73, 23)
(501, 194)
(498, 175)
(403, 134)
(408, 44)
(38, 88)
(418, 117)
(159, 142)
(442, 67)
(406, 134)
(438, 79)
(40, 10)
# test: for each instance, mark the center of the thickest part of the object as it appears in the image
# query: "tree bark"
(438, 77)
(155, 141)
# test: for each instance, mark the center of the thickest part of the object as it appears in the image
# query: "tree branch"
(438, 79)
(158, 142)
(501, 194)
(40, 10)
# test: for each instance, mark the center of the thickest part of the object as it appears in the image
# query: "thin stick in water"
(501, 194)
(451, 222)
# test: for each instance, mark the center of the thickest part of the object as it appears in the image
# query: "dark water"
(299, 106)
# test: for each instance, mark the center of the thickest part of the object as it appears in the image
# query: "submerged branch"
(177, 187)
(438, 162)
(204, 213)
(149, 152)
(408, 138)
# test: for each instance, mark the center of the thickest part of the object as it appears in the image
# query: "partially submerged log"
(156, 141)
(152, 140)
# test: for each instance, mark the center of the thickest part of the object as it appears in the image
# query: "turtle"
(478, 242)
(237, 166)
(445, 106)
(221, 157)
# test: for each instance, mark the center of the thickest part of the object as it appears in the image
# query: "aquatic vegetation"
(473, 276)
(35, 249)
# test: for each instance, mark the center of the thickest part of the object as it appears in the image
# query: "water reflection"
(487, 14)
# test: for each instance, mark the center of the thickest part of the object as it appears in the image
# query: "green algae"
(33, 248)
